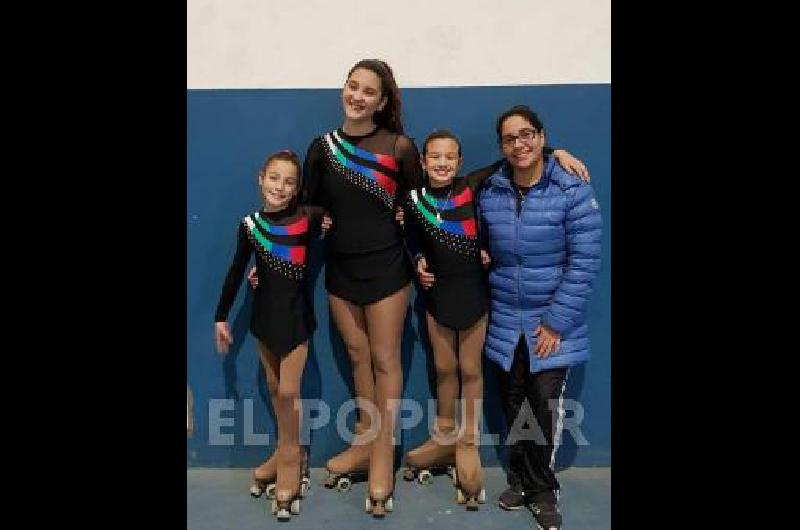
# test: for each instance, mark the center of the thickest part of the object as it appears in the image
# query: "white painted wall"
(312, 43)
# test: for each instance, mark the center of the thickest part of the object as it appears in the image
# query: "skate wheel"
(389, 504)
(460, 499)
(368, 505)
(283, 514)
(482, 496)
(255, 491)
(408, 474)
(274, 507)
(472, 504)
(343, 484)
(270, 491)
(451, 472)
(330, 482)
(295, 507)
(454, 476)
(305, 485)
(425, 477)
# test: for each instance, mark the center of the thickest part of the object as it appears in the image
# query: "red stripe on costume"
(385, 181)
(469, 226)
(388, 161)
(298, 255)
(298, 227)
(463, 198)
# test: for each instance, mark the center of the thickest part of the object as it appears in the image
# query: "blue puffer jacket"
(543, 263)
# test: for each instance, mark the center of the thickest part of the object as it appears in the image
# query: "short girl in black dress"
(282, 318)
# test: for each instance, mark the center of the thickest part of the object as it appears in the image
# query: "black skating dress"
(283, 316)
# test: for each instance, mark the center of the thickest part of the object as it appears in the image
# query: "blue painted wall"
(230, 132)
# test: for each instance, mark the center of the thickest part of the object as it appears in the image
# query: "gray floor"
(218, 499)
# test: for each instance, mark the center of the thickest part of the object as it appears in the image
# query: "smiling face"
(362, 95)
(442, 160)
(521, 142)
(279, 184)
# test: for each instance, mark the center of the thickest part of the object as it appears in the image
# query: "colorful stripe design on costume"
(458, 236)
(384, 160)
(376, 181)
(296, 228)
(464, 227)
(287, 259)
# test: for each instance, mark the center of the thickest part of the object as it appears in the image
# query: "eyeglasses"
(526, 135)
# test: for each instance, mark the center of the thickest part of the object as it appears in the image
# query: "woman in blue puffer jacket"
(542, 227)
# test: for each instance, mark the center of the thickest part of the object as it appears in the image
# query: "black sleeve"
(476, 178)
(412, 232)
(234, 276)
(313, 167)
(409, 167)
(547, 150)
(314, 214)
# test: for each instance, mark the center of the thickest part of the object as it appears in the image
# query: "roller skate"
(350, 464)
(290, 487)
(305, 476)
(379, 498)
(264, 478)
(468, 475)
(438, 453)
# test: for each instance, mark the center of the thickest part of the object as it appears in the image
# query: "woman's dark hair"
(390, 117)
(439, 134)
(518, 110)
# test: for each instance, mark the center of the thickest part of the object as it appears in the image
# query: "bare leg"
(438, 450)
(351, 322)
(265, 474)
(290, 454)
(385, 329)
(352, 326)
(468, 459)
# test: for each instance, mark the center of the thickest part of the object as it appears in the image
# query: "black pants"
(531, 457)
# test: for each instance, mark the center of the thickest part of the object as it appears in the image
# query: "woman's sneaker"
(547, 515)
(513, 498)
